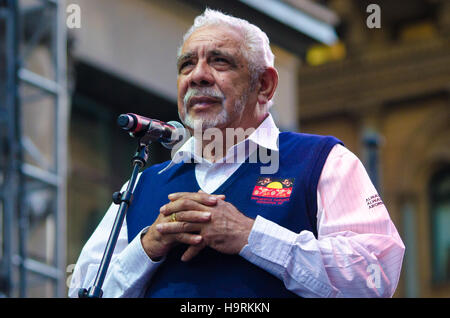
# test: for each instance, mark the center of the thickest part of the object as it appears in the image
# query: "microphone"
(168, 134)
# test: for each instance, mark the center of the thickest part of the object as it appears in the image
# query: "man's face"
(213, 79)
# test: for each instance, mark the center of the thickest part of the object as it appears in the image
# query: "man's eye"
(220, 60)
(184, 65)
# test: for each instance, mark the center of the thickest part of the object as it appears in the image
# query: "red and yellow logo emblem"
(272, 190)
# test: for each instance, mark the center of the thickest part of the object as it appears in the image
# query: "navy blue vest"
(288, 198)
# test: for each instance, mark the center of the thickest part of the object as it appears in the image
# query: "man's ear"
(268, 84)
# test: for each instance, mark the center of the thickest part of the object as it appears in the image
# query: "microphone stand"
(124, 199)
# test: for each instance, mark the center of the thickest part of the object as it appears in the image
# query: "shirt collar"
(266, 135)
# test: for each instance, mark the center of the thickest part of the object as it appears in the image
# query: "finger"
(219, 196)
(200, 197)
(193, 216)
(184, 204)
(187, 238)
(192, 251)
(178, 227)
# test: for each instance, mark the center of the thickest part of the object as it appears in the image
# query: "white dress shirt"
(358, 252)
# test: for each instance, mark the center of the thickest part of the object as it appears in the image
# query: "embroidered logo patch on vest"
(274, 191)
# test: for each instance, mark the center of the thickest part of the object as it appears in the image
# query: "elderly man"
(208, 226)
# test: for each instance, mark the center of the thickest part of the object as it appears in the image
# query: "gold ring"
(173, 217)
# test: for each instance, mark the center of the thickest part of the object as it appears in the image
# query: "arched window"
(440, 226)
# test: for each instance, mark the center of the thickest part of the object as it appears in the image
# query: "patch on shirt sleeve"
(275, 191)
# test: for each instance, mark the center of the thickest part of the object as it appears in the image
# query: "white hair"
(256, 48)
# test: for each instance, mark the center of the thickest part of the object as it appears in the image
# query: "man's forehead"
(213, 37)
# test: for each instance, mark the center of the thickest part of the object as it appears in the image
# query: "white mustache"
(203, 91)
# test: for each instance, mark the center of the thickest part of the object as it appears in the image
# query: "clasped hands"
(197, 219)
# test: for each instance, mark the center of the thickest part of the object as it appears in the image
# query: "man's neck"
(216, 142)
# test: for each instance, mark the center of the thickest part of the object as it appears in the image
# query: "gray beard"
(217, 120)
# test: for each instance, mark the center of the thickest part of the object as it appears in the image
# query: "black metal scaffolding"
(32, 189)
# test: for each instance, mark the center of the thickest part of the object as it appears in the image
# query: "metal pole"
(18, 155)
(8, 93)
(62, 119)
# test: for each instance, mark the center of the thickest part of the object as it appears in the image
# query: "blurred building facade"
(389, 98)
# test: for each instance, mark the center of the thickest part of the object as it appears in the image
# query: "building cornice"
(375, 77)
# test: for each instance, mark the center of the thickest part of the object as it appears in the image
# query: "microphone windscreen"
(178, 134)
(123, 121)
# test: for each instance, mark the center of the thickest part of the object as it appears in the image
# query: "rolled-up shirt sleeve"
(358, 251)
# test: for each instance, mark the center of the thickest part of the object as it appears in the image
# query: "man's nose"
(201, 75)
